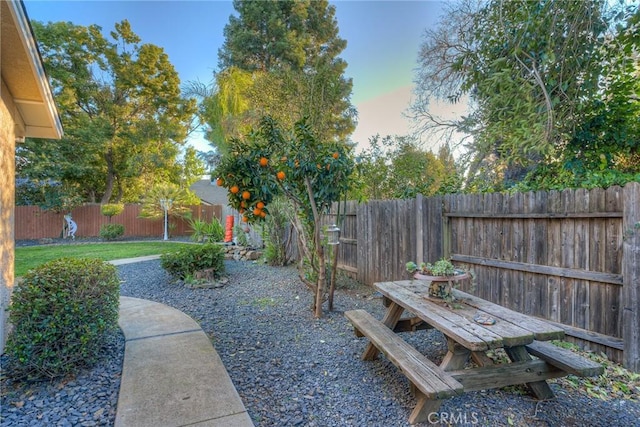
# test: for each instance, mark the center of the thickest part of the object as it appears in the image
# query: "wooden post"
(419, 230)
(631, 277)
(446, 227)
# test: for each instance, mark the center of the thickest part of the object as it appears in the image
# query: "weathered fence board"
(571, 256)
(631, 276)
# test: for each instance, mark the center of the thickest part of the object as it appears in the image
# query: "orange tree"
(310, 173)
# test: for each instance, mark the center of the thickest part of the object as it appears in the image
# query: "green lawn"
(31, 256)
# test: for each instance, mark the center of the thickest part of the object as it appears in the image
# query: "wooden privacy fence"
(31, 222)
(571, 257)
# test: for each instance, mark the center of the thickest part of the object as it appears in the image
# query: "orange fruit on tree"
(234, 189)
(220, 182)
(264, 161)
(256, 211)
(280, 175)
(263, 214)
(260, 205)
(246, 195)
(243, 204)
(336, 155)
(241, 210)
(245, 219)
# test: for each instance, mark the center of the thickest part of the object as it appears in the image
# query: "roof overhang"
(24, 76)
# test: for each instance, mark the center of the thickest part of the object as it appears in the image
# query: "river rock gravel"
(291, 369)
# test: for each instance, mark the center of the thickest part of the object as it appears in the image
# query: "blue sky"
(383, 39)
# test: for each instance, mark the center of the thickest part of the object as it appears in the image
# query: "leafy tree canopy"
(280, 58)
(121, 108)
(552, 87)
(396, 167)
(312, 174)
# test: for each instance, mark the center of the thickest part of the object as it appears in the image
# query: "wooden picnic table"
(520, 336)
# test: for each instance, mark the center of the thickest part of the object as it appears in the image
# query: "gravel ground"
(293, 370)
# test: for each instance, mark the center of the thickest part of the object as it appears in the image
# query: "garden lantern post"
(333, 235)
(166, 205)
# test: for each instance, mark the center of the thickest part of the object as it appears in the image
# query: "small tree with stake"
(310, 173)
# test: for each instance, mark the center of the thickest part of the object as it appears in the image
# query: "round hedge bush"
(187, 261)
(61, 312)
(111, 231)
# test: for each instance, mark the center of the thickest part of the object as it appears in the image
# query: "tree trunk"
(321, 270)
(319, 250)
(111, 177)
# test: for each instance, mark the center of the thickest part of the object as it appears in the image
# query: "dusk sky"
(383, 39)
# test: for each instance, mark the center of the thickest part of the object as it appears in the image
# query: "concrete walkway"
(172, 376)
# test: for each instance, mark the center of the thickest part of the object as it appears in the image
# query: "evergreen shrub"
(111, 231)
(61, 313)
(185, 262)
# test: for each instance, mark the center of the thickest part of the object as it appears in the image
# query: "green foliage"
(185, 262)
(615, 383)
(193, 167)
(298, 157)
(289, 69)
(61, 313)
(206, 232)
(112, 209)
(397, 168)
(294, 34)
(276, 231)
(442, 267)
(310, 173)
(111, 231)
(241, 236)
(47, 194)
(120, 105)
(180, 200)
(548, 82)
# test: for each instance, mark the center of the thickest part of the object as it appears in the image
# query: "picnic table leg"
(391, 317)
(481, 359)
(456, 356)
(424, 408)
(539, 388)
(455, 359)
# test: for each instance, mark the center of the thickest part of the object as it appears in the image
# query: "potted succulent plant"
(442, 274)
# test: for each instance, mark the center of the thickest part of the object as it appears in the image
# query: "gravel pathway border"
(293, 370)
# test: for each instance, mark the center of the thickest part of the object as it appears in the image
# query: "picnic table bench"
(520, 336)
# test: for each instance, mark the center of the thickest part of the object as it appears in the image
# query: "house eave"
(24, 76)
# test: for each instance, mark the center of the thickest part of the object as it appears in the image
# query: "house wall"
(7, 199)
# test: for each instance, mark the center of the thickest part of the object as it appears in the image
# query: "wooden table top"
(456, 320)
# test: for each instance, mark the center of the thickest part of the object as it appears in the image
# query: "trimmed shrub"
(111, 231)
(206, 232)
(241, 236)
(111, 209)
(276, 228)
(61, 313)
(187, 261)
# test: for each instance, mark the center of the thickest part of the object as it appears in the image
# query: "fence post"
(446, 227)
(631, 276)
(419, 230)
